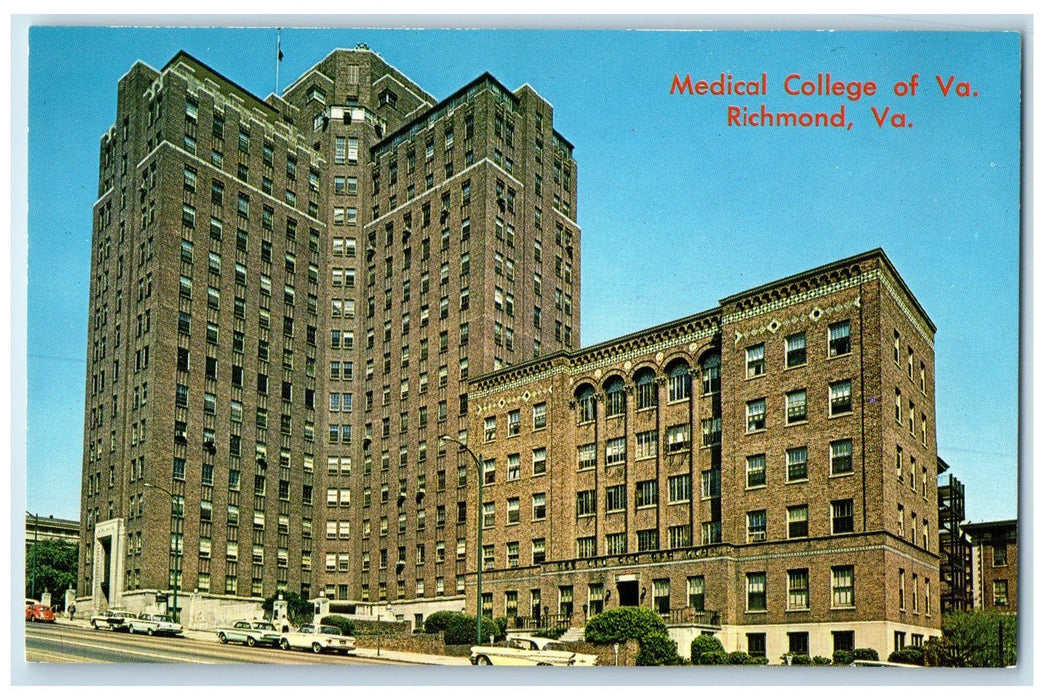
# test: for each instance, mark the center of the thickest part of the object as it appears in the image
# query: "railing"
(692, 616)
(540, 622)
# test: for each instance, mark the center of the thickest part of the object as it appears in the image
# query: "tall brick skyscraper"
(287, 298)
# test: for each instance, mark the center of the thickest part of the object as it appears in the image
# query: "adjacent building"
(287, 298)
(765, 471)
(995, 564)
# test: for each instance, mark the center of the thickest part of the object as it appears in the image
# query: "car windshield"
(329, 630)
(264, 626)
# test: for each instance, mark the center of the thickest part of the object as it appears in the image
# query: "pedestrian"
(72, 611)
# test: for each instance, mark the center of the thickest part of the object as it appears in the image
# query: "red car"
(38, 612)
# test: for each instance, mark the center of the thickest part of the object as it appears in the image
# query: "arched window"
(585, 404)
(645, 388)
(679, 381)
(615, 398)
(711, 371)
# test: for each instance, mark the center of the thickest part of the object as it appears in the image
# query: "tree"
(55, 568)
(974, 639)
(298, 610)
(618, 625)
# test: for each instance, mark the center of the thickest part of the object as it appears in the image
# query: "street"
(72, 644)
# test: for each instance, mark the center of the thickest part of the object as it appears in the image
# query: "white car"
(523, 650)
(249, 632)
(115, 620)
(151, 624)
(318, 639)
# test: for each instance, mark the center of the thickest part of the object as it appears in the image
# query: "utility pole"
(36, 543)
(478, 603)
(175, 507)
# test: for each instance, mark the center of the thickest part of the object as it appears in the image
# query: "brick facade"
(735, 470)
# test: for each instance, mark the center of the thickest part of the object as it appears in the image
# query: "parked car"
(249, 632)
(152, 624)
(38, 612)
(318, 639)
(114, 620)
(524, 650)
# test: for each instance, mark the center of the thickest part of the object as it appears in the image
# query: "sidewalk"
(360, 652)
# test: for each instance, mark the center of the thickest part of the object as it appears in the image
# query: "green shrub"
(459, 628)
(804, 660)
(908, 655)
(657, 649)
(341, 622)
(759, 661)
(843, 658)
(704, 643)
(865, 654)
(738, 658)
(617, 625)
(713, 658)
(821, 661)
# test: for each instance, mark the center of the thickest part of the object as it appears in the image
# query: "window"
(710, 486)
(712, 374)
(755, 360)
(1000, 593)
(615, 398)
(585, 404)
(755, 471)
(679, 536)
(797, 589)
(538, 551)
(842, 516)
(797, 521)
(679, 488)
(756, 526)
(695, 587)
(797, 643)
(841, 457)
(512, 555)
(539, 461)
(678, 439)
(795, 345)
(539, 506)
(586, 456)
(840, 338)
(513, 467)
(585, 503)
(711, 431)
(615, 451)
(755, 415)
(797, 464)
(539, 416)
(842, 586)
(645, 384)
(646, 493)
(490, 428)
(797, 407)
(585, 547)
(840, 398)
(648, 540)
(514, 422)
(679, 383)
(615, 498)
(756, 591)
(662, 595)
(1000, 554)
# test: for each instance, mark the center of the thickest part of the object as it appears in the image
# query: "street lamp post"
(175, 507)
(478, 603)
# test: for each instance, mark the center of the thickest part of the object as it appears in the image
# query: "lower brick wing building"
(764, 471)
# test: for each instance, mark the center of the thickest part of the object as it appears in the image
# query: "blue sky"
(677, 208)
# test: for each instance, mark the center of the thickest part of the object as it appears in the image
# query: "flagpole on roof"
(279, 55)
